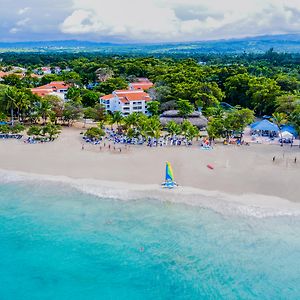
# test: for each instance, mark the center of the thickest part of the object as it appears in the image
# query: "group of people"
(112, 139)
(119, 138)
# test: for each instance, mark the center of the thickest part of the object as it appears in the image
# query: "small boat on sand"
(169, 182)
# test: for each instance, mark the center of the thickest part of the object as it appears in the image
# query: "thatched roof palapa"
(196, 118)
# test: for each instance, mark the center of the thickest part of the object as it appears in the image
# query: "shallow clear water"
(58, 243)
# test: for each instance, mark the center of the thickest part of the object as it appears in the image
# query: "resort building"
(57, 88)
(126, 101)
(141, 84)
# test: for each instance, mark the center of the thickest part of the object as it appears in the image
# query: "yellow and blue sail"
(169, 172)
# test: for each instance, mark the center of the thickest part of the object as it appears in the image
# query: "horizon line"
(151, 42)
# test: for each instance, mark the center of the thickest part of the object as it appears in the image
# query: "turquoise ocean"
(57, 242)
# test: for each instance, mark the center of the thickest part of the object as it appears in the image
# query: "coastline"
(252, 205)
(244, 179)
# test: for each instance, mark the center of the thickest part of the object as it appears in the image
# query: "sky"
(145, 21)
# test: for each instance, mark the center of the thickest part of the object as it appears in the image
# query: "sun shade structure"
(290, 129)
(287, 135)
(195, 118)
(265, 125)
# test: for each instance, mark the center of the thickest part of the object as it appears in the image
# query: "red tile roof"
(55, 85)
(129, 95)
(126, 96)
(107, 97)
(41, 92)
(142, 85)
(2, 74)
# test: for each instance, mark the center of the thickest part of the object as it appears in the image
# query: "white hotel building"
(126, 101)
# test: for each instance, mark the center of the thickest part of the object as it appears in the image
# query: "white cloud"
(23, 22)
(19, 26)
(23, 10)
(14, 30)
(153, 20)
(149, 20)
(133, 18)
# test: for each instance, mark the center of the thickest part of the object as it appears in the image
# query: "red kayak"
(210, 167)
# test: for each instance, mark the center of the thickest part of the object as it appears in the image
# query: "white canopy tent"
(287, 135)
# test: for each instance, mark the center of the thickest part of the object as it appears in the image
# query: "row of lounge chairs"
(10, 136)
(31, 140)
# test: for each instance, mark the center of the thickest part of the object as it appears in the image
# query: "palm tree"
(45, 109)
(52, 130)
(110, 121)
(117, 118)
(153, 127)
(34, 131)
(142, 125)
(279, 119)
(173, 128)
(132, 119)
(192, 132)
(10, 99)
(23, 104)
(185, 127)
(189, 130)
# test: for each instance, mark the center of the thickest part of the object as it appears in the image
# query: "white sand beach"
(238, 170)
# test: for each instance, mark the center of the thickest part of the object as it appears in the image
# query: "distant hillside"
(280, 43)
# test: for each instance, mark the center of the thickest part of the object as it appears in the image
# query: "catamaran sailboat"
(169, 181)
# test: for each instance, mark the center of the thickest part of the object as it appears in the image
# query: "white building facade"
(126, 101)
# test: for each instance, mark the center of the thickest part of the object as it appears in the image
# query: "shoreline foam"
(252, 205)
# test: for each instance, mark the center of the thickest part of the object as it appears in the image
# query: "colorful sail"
(169, 172)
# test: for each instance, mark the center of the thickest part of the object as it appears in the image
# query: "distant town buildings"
(47, 70)
(17, 71)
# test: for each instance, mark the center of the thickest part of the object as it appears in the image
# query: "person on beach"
(273, 158)
(82, 147)
(295, 160)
